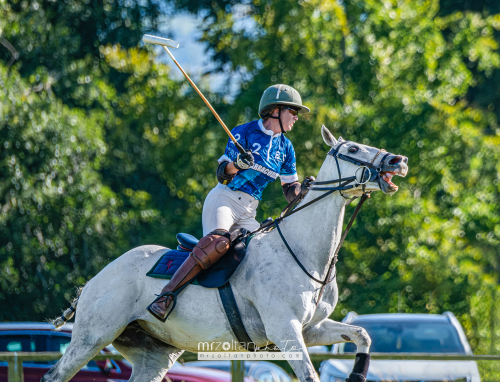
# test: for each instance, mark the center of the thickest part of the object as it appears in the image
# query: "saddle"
(217, 276)
(214, 277)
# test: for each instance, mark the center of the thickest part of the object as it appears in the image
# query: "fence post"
(237, 371)
(15, 370)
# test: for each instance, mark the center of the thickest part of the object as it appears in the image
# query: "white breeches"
(229, 210)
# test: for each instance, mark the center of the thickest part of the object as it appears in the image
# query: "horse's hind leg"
(89, 337)
(150, 357)
(79, 353)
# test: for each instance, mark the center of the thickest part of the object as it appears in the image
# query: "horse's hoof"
(354, 377)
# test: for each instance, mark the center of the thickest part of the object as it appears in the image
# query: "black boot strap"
(221, 232)
(166, 294)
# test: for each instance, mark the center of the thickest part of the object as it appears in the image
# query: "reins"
(344, 184)
(335, 256)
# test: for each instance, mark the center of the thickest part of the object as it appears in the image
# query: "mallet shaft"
(236, 143)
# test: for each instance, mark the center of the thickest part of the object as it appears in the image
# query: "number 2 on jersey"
(256, 148)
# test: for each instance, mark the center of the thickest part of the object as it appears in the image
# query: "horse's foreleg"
(287, 335)
(329, 332)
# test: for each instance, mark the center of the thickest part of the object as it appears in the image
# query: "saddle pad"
(168, 263)
(214, 277)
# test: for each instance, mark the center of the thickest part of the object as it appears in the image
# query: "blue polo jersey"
(274, 157)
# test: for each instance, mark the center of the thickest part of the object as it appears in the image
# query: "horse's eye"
(353, 149)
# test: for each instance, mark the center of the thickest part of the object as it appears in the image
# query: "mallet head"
(160, 41)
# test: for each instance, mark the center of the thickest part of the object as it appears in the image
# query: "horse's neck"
(314, 233)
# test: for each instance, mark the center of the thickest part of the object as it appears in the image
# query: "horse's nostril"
(396, 159)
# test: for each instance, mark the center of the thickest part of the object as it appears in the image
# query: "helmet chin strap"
(279, 119)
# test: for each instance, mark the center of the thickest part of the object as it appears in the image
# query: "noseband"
(372, 174)
(368, 168)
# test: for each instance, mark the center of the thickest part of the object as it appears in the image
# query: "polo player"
(242, 178)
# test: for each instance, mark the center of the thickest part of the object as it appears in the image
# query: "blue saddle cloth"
(169, 262)
(214, 277)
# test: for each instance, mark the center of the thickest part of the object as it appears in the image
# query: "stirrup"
(166, 294)
(170, 307)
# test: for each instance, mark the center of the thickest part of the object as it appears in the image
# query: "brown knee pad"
(211, 248)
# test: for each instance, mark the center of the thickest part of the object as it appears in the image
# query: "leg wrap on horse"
(360, 369)
(207, 252)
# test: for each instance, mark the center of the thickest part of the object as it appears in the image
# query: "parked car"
(41, 337)
(318, 349)
(260, 371)
(410, 334)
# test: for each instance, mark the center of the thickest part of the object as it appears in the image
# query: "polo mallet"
(164, 42)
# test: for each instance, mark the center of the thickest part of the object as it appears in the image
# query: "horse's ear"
(328, 137)
(341, 140)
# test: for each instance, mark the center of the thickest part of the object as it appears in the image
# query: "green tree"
(397, 75)
(153, 161)
(85, 200)
(59, 223)
(416, 78)
(163, 142)
(54, 35)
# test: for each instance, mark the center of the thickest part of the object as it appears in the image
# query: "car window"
(409, 337)
(57, 343)
(24, 343)
(60, 344)
(38, 342)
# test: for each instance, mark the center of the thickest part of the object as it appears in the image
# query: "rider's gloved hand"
(244, 161)
(306, 184)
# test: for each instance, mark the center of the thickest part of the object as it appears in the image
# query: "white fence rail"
(15, 360)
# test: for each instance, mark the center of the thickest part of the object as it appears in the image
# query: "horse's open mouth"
(386, 177)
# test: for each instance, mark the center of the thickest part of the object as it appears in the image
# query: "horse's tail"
(68, 313)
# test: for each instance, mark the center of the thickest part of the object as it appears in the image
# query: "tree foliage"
(86, 145)
(58, 221)
(411, 78)
(416, 78)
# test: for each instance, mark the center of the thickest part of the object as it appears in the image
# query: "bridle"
(373, 170)
(370, 171)
(344, 183)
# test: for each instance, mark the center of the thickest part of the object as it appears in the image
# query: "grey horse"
(277, 300)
